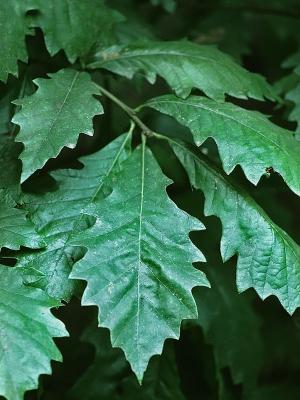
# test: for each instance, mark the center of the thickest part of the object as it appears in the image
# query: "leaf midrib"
(61, 107)
(286, 239)
(140, 250)
(247, 198)
(226, 116)
(140, 53)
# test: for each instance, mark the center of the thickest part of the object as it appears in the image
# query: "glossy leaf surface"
(26, 338)
(138, 266)
(54, 116)
(268, 258)
(184, 66)
(245, 138)
(57, 215)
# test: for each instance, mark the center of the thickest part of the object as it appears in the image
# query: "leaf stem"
(129, 111)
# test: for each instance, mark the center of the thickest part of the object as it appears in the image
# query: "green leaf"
(294, 96)
(54, 116)
(268, 259)
(184, 65)
(27, 328)
(109, 378)
(138, 264)
(13, 28)
(168, 5)
(286, 83)
(64, 23)
(9, 92)
(243, 137)
(290, 86)
(56, 215)
(293, 62)
(15, 229)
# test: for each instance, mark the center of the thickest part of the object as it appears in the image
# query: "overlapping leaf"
(294, 96)
(289, 85)
(115, 216)
(268, 259)
(15, 229)
(13, 28)
(27, 329)
(74, 25)
(138, 264)
(54, 116)
(184, 65)
(243, 137)
(12, 90)
(109, 378)
(56, 215)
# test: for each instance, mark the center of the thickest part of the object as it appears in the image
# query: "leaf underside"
(184, 65)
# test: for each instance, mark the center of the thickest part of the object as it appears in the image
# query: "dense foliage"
(149, 190)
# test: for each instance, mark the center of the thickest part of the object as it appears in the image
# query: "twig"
(129, 111)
